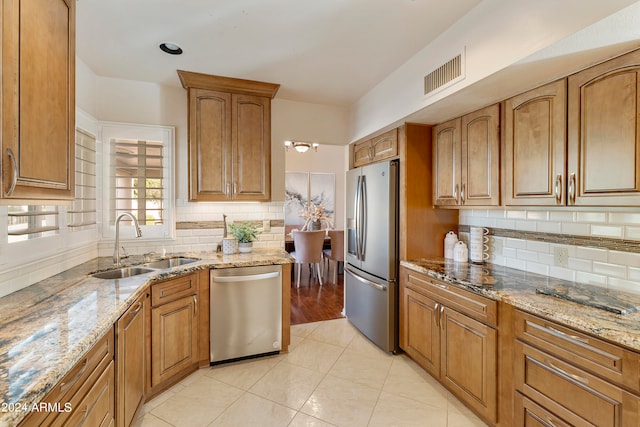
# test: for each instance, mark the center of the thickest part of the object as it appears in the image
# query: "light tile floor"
(332, 376)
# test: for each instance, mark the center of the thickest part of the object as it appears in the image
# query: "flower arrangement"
(245, 232)
(313, 213)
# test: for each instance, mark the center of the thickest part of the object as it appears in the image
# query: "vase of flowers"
(314, 215)
(246, 233)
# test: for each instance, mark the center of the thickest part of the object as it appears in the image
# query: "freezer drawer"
(370, 305)
(246, 312)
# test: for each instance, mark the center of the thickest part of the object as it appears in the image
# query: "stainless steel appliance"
(371, 268)
(246, 312)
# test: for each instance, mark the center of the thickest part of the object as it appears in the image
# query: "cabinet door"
(446, 163)
(362, 153)
(480, 149)
(209, 145)
(419, 333)
(534, 146)
(130, 362)
(251, 144)
(38, 99)
(604, 134)
(384, 146)
(174, 338)
(469, 362)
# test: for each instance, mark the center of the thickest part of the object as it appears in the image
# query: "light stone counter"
(518, 288)
(46, 328)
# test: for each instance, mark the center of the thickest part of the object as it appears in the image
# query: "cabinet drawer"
(97, 408)
(529, 414)
(96, 360)
(610, 361)
(473, 305)
(174, 289)
(582, 398)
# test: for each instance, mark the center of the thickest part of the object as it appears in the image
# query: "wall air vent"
(445, 75)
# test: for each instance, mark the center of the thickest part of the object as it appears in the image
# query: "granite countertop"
(522, 290)
(46, 328)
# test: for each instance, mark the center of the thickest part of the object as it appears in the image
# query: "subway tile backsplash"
(603, 246)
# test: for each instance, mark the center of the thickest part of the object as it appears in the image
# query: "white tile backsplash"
(593, 265)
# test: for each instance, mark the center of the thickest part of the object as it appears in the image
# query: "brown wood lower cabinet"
(451, 333)
(86, 391)
(174, 330)
(97, 406)
(130, 361)
(565, 375)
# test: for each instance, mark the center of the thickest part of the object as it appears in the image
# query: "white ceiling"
(320, 51)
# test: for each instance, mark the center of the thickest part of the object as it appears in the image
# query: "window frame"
(116, 130)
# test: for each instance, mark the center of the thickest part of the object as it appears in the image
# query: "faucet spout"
(116, 250)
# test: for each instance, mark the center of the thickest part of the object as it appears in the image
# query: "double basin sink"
(148, 267)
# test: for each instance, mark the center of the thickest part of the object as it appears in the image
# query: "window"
(138, 177)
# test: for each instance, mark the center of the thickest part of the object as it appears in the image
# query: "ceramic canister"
(449, 242)
(229, 245)
(460, 252)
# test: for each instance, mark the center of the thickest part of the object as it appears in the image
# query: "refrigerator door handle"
(367, 282)
(356, 216)
(363, 217)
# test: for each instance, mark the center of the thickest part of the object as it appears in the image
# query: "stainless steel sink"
(121, 273)
(169, 262)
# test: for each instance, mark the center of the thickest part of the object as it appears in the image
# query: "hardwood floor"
(312, 302)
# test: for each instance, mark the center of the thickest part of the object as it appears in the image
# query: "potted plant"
(246, 233)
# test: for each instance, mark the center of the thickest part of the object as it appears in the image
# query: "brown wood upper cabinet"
(534, 146)
(466, 160)
(604, 134)
(38, 107)
(229, 137)
(372, 150)
(597, 111)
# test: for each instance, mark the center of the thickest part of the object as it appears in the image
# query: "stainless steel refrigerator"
(371, 265)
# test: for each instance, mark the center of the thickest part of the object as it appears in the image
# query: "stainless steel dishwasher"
(246, 312)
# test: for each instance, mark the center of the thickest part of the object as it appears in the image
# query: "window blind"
(82, 213)
(30, 222)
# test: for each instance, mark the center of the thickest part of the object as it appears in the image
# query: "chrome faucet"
(116, 251)
(224, 232)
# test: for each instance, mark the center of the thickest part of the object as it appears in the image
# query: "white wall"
(495, 34)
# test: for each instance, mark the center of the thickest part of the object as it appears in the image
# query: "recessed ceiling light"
(171, 48)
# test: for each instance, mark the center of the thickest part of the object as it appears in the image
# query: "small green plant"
(245, 232)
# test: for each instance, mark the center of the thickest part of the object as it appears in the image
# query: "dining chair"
(336, 253)
(308, 250)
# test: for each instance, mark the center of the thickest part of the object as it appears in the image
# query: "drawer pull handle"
(436, 314)
(583, 380)
(566, 335)
(195, 306)
(84, 415)
(442, 286)
(65, 386)
(550, 423)
(134, 312)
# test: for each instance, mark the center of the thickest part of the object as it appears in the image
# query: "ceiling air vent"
(445, 75)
